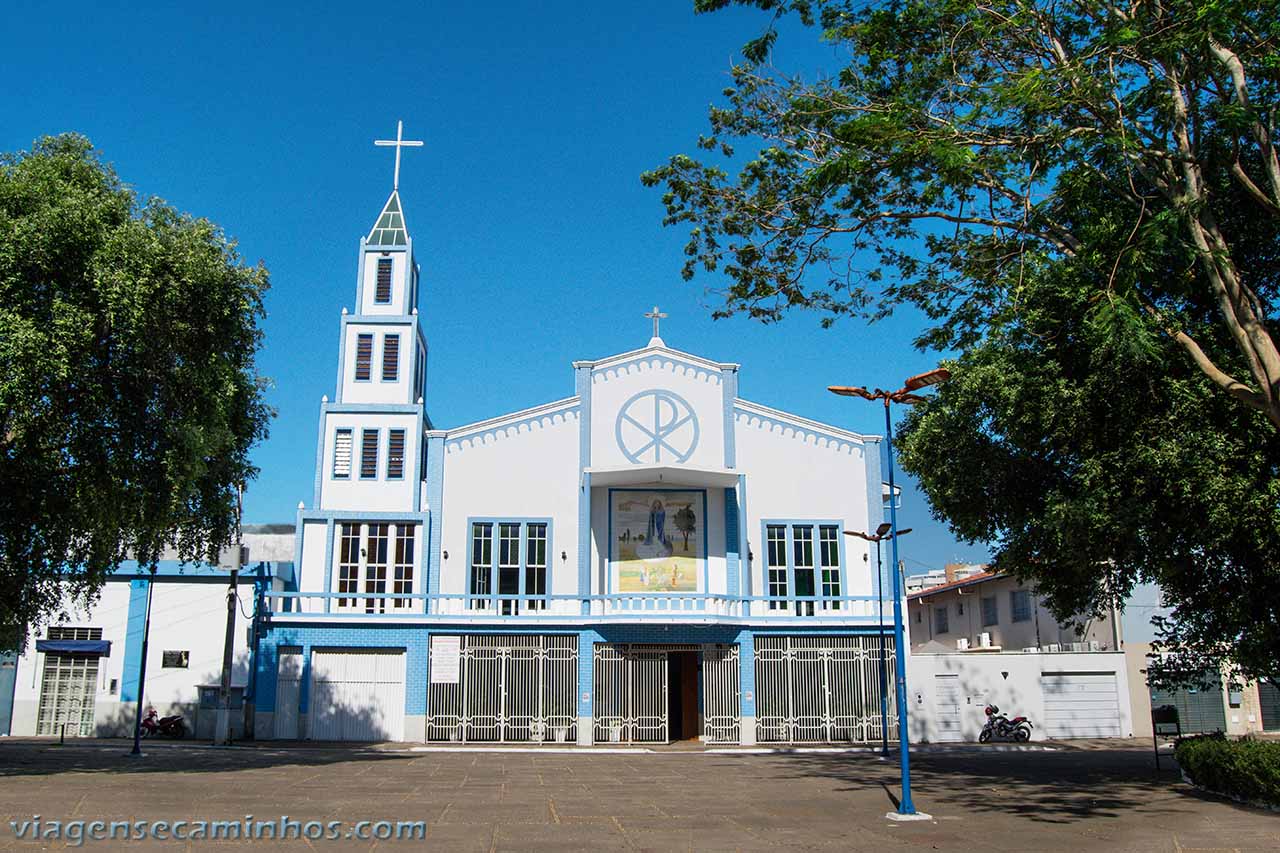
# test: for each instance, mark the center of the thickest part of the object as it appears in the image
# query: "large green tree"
(1075, 437)
(937, 153)
(129, 399)
(1084, 199)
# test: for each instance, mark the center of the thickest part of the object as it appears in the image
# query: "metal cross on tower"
(656, 316)
(399, 142)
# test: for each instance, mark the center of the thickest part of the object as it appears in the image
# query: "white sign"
(446, 660)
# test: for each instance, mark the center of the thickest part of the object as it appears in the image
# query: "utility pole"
(222, 733)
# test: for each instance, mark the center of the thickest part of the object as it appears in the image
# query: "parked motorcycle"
(174, 726)
(1001, 727)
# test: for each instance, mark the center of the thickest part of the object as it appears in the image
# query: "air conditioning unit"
(1079, 647)
(1029, 649)
(1095, 646)
(984, 639)
(962, 644)
(1053, 647)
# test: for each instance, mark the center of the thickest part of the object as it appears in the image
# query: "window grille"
(390, 358)
(382, 291)
(369, 454)
(375, 570)
(777, 559)
(342, 454)
(65, 633)
(990, 611)
(395, 454)
(348, 561)
(1020, 604)
(404, 564)
(940, 623)
(481, 561)
(364, 357)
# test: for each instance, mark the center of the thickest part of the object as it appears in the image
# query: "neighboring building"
(1218, 705)
(987, 638)
(651, 558)
(82, 672)
(948, 574)
(994, 612)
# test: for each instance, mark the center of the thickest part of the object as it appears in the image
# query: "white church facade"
(648, 559)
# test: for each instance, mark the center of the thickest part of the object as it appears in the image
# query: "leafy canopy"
(1084, 200)
(129, 399)
(935, 164)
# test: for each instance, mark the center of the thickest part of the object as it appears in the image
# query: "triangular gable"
(390, 229)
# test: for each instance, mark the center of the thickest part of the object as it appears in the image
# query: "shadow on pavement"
(1047, 787)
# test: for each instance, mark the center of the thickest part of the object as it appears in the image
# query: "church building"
(650, 558)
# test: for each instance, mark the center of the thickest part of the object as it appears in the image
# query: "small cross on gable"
(656, 316)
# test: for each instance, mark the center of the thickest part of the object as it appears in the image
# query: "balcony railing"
(607, 607)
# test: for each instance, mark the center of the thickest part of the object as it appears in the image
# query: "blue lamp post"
(906, 394)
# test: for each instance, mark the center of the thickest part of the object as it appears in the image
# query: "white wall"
(400, 280)
(186, 616)
(376, 390)
(379, 494)
(794, 473)
(1010, 680)
(699, 386)
(520, 469)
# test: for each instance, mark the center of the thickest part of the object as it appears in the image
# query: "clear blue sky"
(537, 242)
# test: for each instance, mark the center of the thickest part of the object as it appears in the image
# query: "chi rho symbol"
(657, 426)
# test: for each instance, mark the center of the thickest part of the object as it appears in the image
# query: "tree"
(943, 148)
(1082, 199)
(686, 523)
(1078, 441)
(129, 400)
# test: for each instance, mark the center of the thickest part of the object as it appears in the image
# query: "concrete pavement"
(1103, 797)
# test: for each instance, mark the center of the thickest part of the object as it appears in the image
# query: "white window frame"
(484, 576)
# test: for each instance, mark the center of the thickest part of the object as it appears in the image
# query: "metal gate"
(67, 692)
(631, 693)
(822, 689)
(1269, 704)
(508, 688)
(721, 694)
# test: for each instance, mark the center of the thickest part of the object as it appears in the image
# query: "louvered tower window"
(390, 358)
(342, 453)
(382, 290)
(364, 357)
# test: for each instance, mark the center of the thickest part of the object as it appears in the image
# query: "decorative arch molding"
(811, 436)
(511, 429)
(652, 363)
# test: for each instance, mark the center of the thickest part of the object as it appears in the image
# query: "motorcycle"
(174, 726)
(1001, 727)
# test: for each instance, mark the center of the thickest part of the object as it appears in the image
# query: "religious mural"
(657, 539)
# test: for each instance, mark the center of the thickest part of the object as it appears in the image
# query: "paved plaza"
(1101, 796)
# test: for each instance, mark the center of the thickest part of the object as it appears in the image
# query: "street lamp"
(881, 534)
(142, 668)
(905, 394)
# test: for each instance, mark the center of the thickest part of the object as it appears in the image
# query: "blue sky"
(537, 242)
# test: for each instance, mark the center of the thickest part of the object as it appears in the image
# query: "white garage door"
(1081, 704)
(357, 694)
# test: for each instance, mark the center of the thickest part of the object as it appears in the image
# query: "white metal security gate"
(506, 688)
(821, 689)
(357, 694)
(67, 692)
(631, 693)
(288, 693)
(721, 694)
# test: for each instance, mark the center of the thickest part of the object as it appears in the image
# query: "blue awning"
(75, 647)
